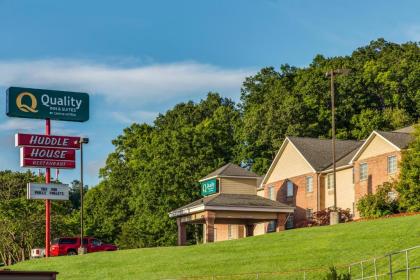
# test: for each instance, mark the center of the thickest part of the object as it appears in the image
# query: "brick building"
(298, 183)
(301, 173)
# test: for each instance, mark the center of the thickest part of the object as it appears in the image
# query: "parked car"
(69, 246)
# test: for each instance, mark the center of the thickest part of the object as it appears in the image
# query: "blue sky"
(139, 58)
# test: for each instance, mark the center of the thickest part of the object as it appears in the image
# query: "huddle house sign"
(47, 104)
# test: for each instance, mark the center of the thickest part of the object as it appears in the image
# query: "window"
(271, 226)
(309, 214)
(271, 193)
(289, 189)
(289, 222)
(67, 241)
(309, 184)
(330, 181)
(230, 232)
(96, 242)
(392, 164)
(363, 171)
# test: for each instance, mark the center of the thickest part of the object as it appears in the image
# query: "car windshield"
(67, 241)
(55, 241)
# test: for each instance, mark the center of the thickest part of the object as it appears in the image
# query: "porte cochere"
(230, 207)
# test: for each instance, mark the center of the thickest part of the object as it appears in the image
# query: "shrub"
(380, 204)
(334, 275)
(321, 218)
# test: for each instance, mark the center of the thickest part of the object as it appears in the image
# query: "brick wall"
(301, 199)
(377, 174)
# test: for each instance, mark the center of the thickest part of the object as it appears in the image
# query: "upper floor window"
(309, 184)
(392, 164)
(271, 193)
(330, 181)
(289, 189)
(363, 171)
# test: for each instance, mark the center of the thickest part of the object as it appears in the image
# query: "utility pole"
(334, 216)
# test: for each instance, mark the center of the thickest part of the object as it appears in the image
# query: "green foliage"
(382, 91)
(409, 184)
(380, 203)
(334, 275)
(22, 221)
(311, 249)
(155, 169)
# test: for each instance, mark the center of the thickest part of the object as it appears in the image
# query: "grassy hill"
(307, 248)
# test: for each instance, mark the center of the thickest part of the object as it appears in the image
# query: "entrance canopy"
(225, 208)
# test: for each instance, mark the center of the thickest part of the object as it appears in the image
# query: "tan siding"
(377, 147)
(290, 164)
(345, 190)
(238, 185)
(261, 192)
(259, 229)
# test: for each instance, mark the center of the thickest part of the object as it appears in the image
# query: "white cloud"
(135, 116)
(33, 126)
(128, 86)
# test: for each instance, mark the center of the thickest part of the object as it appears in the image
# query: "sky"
(137, 59)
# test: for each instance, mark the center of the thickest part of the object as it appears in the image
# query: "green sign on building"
(209, 187)
(47, 104)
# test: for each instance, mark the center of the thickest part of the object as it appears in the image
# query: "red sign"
(38, 140)
(29, 162)
(48, 153)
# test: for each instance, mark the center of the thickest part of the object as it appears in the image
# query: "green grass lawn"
(306, 248)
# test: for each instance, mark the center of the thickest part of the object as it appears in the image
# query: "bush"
(334, 275)
(322, 218)
(379, 204)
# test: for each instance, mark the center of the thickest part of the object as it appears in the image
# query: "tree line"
(155, 168)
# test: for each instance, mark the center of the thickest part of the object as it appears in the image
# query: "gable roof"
(317, 152)
(407, 129)
(398, 140)
(225, 201)
(230, 170)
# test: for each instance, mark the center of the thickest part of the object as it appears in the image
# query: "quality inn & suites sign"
(47, 104)
(209, 187)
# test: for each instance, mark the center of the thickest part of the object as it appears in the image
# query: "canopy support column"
(209, 228)
(182, 232)
(281, 221)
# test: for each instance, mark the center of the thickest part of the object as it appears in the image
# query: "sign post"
(47, 201)
(46, 150)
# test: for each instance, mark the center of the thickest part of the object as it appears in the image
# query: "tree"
(155, 168)
(409, 184)
(381, 92)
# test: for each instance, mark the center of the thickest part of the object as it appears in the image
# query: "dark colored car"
(69, 245)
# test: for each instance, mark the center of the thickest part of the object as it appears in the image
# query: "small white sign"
(47, 191)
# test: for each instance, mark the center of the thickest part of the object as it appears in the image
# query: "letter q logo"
(25, 107)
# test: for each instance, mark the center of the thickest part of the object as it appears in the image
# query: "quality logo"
(27, 107)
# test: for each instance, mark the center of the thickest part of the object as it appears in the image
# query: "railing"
(404, 264)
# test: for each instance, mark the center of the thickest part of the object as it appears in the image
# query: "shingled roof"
(249, 202)
(399, 139)
(230, 170)
(318, 151)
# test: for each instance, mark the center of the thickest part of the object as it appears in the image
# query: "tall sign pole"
(47, 201)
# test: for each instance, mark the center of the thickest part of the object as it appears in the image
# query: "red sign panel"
(48, 153)
(38, 140)
(47, 163)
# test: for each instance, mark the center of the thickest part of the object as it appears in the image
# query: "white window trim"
(330, 187)
(396, 165)
(360, 171)
(312, 184)
(290, 183)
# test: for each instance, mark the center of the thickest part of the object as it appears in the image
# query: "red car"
(69, 245)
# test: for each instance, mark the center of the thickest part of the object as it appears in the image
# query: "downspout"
(318, 198)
